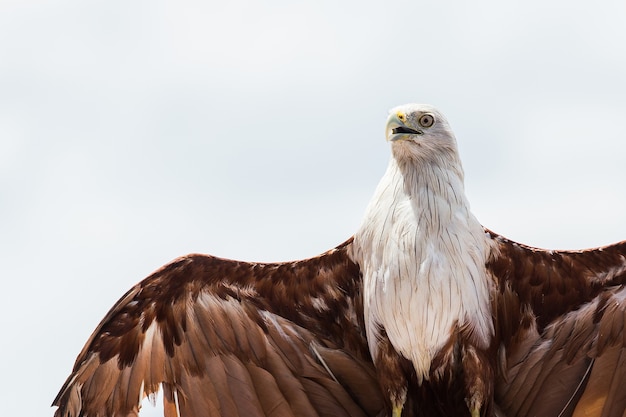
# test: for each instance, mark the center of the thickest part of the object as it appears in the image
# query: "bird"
(422, 312)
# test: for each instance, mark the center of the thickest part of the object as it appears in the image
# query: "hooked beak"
(397, 129)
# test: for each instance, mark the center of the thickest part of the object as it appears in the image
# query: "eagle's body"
(423, 255)
(422, 313)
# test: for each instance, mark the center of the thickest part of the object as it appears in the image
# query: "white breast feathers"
(422, 255)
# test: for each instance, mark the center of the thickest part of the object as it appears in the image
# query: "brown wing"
(561, 321)
(231, 338)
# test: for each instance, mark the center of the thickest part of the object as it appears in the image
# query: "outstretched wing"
(229, 338)
(561, 320)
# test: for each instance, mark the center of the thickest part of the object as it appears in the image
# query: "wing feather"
(616, 399)
(228, 338)
(560, 318)
(270, 396)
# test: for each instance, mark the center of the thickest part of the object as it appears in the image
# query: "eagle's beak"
(397, 129)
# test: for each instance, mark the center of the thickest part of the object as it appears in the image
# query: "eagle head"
(420, 132)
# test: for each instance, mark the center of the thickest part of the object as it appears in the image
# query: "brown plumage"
(229, 338)
(235, 338)
(561, 319)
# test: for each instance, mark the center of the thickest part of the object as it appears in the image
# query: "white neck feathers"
(422, 255)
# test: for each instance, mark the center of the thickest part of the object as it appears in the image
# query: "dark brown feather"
(357, 376)
(560, 318)
(229, 338)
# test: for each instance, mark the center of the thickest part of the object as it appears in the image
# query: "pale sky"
(133, 132)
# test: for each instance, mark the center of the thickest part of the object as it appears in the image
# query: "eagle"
(422, 312)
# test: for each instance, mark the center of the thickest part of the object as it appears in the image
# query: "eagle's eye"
(426, 120)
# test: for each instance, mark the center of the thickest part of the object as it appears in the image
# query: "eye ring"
(426, 120)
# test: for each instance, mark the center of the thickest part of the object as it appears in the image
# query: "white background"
(133, 132)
